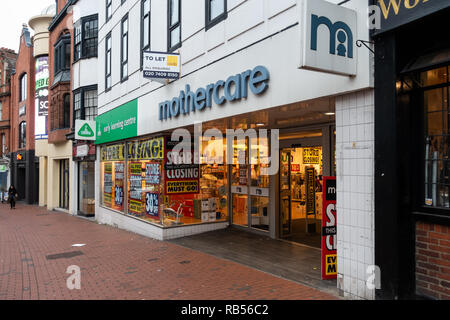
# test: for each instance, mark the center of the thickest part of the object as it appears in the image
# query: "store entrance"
(301, 194)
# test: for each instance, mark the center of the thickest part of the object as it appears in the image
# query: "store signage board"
(329, 233)
(41, 98)
(329, 37)
(117, 124)
(161, 65)
(85, 130)
(396, 13)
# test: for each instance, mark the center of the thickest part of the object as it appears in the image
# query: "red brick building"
(23, 161)
(7, 66)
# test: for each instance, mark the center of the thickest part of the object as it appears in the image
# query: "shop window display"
(112, 176)
(195, 193)
(145, 162)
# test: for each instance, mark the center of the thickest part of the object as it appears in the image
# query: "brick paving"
(116, 264)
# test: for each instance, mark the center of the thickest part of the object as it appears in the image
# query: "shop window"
(165, 187)
(174, 25)
(113, 176)
(22, 135)
(108, 82)
(216, 11)
(124, 49)
(436, 86)
(85, 38)
(23, 87)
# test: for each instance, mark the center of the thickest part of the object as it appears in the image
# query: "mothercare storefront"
(258, 131)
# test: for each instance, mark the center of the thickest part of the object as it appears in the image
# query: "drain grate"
(185, 262)
(65, 255)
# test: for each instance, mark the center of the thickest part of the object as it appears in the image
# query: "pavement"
(36, 253)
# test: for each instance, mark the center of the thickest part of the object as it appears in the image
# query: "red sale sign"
(329, 235)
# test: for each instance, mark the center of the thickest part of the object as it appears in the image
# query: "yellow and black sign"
(331, 264)
(113, 153)
(311, 156)
(152, 149)
(180, 187)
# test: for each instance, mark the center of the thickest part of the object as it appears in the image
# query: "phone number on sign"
(162, 75)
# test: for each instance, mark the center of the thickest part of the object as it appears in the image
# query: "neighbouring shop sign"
(311, 156)
(395, 13)
(329, 38)
(117, 124)
(160, 65)
(329, 232)
(85, 130)
(41, 98)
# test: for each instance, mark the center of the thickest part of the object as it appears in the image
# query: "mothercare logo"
(338, 30)
(233, 89)
(329, 34)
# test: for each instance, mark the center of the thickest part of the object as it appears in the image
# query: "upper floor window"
(1, 111)
(145, 25)
(85, 38)
(66, 111)
(108, 82)
(216, 11)
(23, 87)
(174, 25)
(62, 54)
(108, 9)
(85, 103)
(22, 135)
(124, 49)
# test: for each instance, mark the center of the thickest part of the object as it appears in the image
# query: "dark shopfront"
(25, 175)
(84, 156)
(412, 153)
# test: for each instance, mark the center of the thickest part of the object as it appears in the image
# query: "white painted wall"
(248, 21)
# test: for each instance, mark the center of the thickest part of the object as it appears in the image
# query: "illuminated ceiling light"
(329, 113)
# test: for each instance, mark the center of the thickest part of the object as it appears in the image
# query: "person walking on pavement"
(12, 192)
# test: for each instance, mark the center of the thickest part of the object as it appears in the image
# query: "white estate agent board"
(160, 65)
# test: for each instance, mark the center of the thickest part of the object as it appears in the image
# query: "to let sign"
(329, 234)
(159, 65)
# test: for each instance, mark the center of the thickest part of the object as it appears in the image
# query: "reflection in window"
(437, 138)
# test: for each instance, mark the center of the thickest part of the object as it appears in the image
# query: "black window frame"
(411, 95)
(23, 87)
(82, 92)
(209, 23)
(85, 51)
(108, 75)
(143, 16)
(23, 135)
(123, 62)
(62, 51)
(171, 27)
(108, 6)
(66, 112)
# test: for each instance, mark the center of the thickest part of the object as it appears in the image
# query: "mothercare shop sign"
(235, 88)
(118, 124)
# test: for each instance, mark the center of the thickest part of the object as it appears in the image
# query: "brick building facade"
(7, 66)
(23, 161)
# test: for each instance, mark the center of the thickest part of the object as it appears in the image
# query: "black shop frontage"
(412, 149)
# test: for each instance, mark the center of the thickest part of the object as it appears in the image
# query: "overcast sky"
(13, 13)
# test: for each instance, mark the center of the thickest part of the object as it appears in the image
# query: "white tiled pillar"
(355, 192)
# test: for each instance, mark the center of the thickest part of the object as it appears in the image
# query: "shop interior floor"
(284, 259)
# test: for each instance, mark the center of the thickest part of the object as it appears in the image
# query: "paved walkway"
(36, 249)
